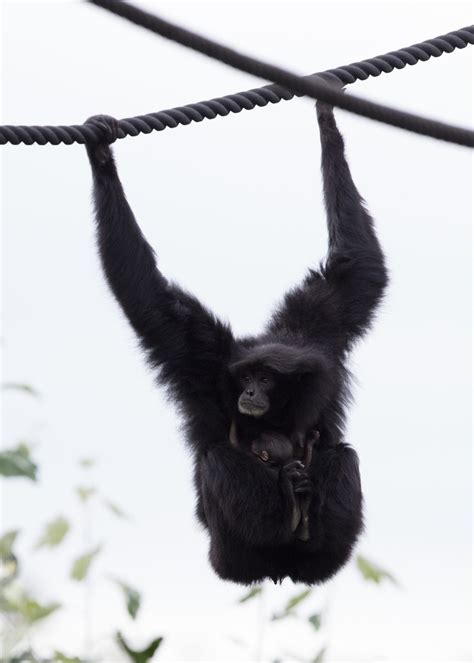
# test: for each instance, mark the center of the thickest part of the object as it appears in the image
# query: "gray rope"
(313, 87)
(234, 103)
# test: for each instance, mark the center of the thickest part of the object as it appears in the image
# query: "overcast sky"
(234, 209)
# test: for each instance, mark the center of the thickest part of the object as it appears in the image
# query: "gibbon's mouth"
(251, 408)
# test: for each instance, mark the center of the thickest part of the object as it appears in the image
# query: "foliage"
(81, 565)
(85, 492)
(141, 656)
(116, 510)
(132, 598)
(255, 591)
(27, 606)
(319, 658)
(86, 463)
(6, 543)
(8, 561)
(297, 599)
(18, 386)
(21, 610)
(372, 572)
(62, 658)
(17, 463)
(294, 604)
(289, 609)
(54, 532)
(315, 621)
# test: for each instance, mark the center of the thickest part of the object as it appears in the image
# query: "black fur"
(244, 506)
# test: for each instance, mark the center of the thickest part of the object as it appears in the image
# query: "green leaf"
(315, 620)
(116, 510)
(24, 450)
(80, 567)
(297, 599)
(85, 492)
(31, 610)
(62, 658)
(372, 572)
(17, 386)
(319, 658)
(136, 656)
(54, 533)
(255, 591)
(86, 463)
(8, 572)
(6, 543)
(17, 463)
(132, 597)
(282, 615)
(288, 610)
(27, 656)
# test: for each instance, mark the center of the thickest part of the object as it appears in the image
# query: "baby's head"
(273, 448)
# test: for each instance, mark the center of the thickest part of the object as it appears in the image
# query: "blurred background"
(99, 534)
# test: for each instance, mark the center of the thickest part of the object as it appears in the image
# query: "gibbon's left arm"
(336, 304)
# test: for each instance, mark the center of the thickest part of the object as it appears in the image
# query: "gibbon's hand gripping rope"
(314, 86)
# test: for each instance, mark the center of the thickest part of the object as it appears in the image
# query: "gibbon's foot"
(313, 436)
(99, 152)
(295, 473)
(312, 441)
(293, 470)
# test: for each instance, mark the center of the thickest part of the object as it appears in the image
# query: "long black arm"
(186, 341)
(338, 302)
(355, 263)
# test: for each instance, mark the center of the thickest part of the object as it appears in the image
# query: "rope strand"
(262, 96)
(314, 87)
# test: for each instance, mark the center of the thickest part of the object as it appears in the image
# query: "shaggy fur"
(243, 505)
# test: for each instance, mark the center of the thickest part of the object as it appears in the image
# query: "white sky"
(234, 209)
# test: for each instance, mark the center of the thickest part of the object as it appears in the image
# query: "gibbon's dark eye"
(246, 378)
(265, 380)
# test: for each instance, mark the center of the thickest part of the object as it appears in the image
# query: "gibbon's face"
(258, 384)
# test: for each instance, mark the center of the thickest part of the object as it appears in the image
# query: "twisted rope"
(262, 96)
(315, 87)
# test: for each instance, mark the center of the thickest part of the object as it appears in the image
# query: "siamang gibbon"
(243, 400)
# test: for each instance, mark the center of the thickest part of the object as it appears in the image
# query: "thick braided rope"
(313, 87)
(234, 103)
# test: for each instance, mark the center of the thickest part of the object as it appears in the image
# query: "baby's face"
(275, 451)
(261, 453)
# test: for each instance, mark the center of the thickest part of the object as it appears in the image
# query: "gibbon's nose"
(250, 392)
